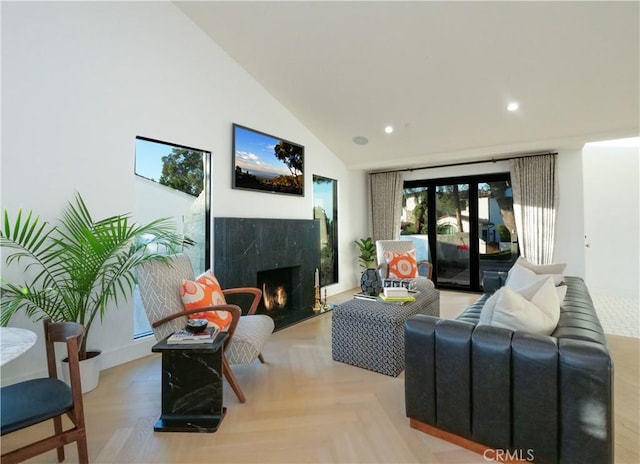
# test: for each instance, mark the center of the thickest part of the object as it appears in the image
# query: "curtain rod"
(463, 163)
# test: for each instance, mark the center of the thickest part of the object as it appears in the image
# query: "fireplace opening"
(276, 289)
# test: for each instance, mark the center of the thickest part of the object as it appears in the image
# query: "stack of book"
(184, 336)
(389, 295)
(364, 296)
(396, 295)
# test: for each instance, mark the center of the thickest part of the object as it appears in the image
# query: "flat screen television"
(266, 163)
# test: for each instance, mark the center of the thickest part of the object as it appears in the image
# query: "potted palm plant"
(76, 270)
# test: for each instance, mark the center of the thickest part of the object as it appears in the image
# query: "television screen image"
(266, 163)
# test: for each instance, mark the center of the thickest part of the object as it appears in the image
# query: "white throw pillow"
(524, 281)
(486, 314)
(561, 290)
(513, 311)
(555, 270)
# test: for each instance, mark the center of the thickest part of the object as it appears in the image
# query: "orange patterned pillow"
(205, 291)
(402, 265)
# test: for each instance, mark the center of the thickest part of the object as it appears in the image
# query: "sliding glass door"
(497, 241)
(453, 238)
(468, 224)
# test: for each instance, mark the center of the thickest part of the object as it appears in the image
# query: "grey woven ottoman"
(370, 334)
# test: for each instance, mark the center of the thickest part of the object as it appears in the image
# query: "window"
(173, 181)
(325, 210)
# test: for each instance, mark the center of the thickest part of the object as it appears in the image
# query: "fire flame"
(274, 300)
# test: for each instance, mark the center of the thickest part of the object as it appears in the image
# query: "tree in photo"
(293, 157)
(183, 170)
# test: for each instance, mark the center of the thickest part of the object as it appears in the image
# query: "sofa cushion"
(205, 291)
(401, 265)
(538, 314)
(554, 270)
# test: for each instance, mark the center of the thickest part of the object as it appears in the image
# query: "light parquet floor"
(302, 407)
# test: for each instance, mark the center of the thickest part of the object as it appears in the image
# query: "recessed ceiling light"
(513, 106)
(388, 129)
(360, 140)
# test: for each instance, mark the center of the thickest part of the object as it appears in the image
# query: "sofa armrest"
(438, 372)
(586, 402)
(420, 384)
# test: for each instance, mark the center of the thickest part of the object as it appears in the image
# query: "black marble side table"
(191, 386)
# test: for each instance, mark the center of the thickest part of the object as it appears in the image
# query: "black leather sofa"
(537, 398)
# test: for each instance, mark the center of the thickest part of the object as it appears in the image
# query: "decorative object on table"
(398, 292)
(186, 336)
(404, 283)
(35, 401)
(196, 325)
(325, 306)
(367, 252)
(364, 296)
(317, 303)
(370, 282)
(82, 267)
(395, 298)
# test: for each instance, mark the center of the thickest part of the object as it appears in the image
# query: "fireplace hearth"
(269, 254)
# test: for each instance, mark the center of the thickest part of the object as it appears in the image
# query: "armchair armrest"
(427, 266)
(256, 292)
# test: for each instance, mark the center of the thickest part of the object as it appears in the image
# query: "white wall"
(612, 208)
(570, 220)
(80, 80)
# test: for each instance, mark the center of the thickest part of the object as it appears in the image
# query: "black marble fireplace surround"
(243, 247)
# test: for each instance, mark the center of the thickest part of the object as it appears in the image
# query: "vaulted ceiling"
(440, 73)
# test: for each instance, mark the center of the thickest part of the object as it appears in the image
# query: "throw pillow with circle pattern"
(401, 265)
(203, 292)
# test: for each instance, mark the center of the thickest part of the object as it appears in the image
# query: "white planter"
(89, 371)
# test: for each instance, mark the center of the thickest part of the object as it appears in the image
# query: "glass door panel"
(497, 242)
(453, 235)
(415, 223)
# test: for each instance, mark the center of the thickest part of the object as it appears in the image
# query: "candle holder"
(325, 306)
(317, 306)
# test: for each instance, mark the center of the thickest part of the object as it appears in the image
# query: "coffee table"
(370, 334)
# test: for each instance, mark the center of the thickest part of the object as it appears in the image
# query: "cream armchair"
(385, 249)
(160, 284)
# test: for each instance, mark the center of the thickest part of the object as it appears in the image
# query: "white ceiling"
(441, 73)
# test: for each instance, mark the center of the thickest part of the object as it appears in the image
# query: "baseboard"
(490, 454)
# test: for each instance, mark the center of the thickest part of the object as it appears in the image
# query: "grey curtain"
(386, 204)
(535, 201)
